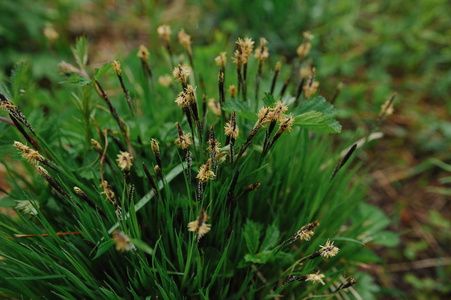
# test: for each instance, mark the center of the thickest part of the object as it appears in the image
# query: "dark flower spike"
(82, 195)
(276, 74)
(342, 286)
(117, 68)
(151, 181)
(284, 88)
(156, 152)
(52, 182)
(14, 112)
(344, 160)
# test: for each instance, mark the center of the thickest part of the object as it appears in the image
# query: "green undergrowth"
(136, 244)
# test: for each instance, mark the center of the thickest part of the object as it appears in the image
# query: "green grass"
(242, 255)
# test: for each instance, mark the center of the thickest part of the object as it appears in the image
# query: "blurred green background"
(373, 47)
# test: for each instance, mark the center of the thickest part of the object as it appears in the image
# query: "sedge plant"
(150, 190)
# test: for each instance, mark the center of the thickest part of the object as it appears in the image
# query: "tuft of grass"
(131, 209)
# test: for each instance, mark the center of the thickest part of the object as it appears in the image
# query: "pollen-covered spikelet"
(205, 173)
(261, 53)
(232, 91)
(50, 33)
(214, 106)
(387, 108)
(285, 125)
(143, 53)
(244, 51)
(315, 277)
(182, 100)
(304, 48)
(165, 80)
(30, 154)
(183, 141)
(278, 66)
(123, 242)
(124, 160)
(117, 67)
(278, 112)
(263, 115)
(221, 59)
(185, 40)
(217, 145)
(190, 93)
(312, 86)
(231, 129)
(199, 226)
(329, 250)
(181, 74)
(107, 191)
(164, 33)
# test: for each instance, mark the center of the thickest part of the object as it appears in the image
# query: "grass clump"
(153, 194)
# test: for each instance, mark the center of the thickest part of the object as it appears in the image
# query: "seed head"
(214, 106)
(232, 91)
(261, 53)
(205, 173)
(124, 160)
(329, 250)
(117, 67)
(30, 154)
(164, 32)
(143, 53)
(123, 242)
(316, 277)
(199, 226)
(221, 60)
(181, 74)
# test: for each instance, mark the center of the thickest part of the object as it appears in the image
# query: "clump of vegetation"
(149, 191)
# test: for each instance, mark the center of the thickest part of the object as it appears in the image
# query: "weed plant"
(151, 188)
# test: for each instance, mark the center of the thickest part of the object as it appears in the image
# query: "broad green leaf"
(240, 107)
(271, 238)
(17, 75)
(252, 235)
(315, 120)
(104, 247)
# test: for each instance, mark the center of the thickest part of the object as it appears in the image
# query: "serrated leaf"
(80, 52)
(104, 248)
(317, 114)
(315, 120)
(240, 107)
(318, 103)
(78, 80)
(17, 76)
(271, 238)
(268, 100)
(252, 235)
